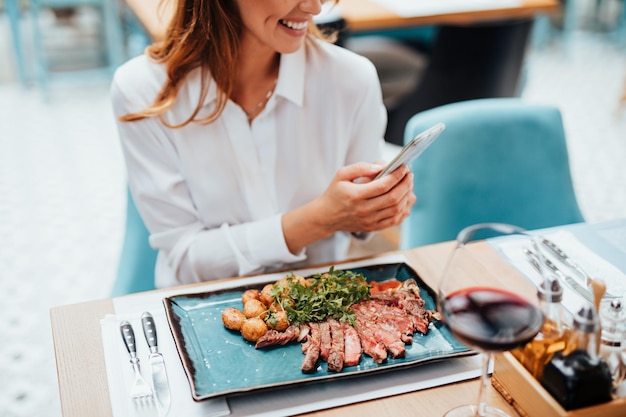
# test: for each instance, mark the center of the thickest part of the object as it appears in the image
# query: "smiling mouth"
(294, 25)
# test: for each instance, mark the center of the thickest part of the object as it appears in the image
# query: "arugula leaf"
(328, 294)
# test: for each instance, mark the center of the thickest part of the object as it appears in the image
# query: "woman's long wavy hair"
(202, 34)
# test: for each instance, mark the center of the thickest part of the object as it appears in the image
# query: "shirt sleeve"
(189, 251)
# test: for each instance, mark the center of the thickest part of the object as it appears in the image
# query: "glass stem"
(481, 409)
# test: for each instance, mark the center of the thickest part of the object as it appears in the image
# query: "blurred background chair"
(110, 40)
(561, 25)
(400, 66)
(401, 57)
(137, 261)
(466, 62)
(601, 16)
(499, 160)
(73, 38)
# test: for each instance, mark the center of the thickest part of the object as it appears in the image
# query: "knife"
(157, 364)
(562, 256)
(582, 291)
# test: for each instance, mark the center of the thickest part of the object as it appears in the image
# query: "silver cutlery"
(566, 260)
(571, 282)
(562, 256)
(157, 364)
(140, 393)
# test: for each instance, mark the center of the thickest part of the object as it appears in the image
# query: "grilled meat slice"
(336, 355)
(325, 340)
(407, 298)
(305, 329)
(352, 346)
(274, 337)
(314, 336)
(312, 355)
(371, 346)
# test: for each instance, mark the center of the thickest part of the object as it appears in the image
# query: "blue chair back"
(498, 160)
(136, 265)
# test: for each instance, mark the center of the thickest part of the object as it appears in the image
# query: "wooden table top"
(365, 15)
(360, 15)
(83, 383)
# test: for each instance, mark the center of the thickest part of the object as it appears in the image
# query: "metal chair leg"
(13, 12)
(41, 61)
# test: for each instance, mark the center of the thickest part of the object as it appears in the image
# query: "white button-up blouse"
(212, 195)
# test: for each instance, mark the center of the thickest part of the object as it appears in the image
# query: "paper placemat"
(286, 401)
(414, 8)
(120, 374)
(592, 262)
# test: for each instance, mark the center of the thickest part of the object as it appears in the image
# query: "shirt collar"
(291, 76)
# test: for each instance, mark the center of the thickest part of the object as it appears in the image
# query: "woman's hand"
(366, 205)
(353, 202)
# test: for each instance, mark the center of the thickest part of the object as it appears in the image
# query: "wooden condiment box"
(530, 399)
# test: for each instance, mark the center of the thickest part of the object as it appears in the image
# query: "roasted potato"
(277, 320)
(266, 295)
(275, 307)
(232, 318)
(253, 328)
(254, 308)
(302, 280)
(250, 295)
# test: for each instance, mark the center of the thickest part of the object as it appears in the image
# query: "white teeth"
(295, 25)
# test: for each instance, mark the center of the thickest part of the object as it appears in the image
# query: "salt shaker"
(612, 343)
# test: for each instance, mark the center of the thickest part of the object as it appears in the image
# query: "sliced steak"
(314, 336)
(312, 355)
(371, 346)
(274, 337)
(325, 340)
(352, 346)
(408, 299)
(305, 329)
(336, 355)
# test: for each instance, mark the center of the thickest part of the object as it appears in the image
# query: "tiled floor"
(62, 196)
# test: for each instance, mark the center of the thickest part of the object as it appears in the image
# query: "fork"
(141, 392)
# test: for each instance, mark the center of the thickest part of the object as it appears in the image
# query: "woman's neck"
(255, 80)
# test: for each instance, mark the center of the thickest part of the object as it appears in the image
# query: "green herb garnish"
(328, 294)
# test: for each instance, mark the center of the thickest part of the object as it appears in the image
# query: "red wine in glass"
(491, 319)
(483, 309)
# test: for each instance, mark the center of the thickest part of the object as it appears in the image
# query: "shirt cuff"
(364, 236)
(266, 243)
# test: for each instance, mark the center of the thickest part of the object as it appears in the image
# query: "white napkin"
(594, 264)
(121, 376)
(300, 399)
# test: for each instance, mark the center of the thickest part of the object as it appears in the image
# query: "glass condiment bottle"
(551, 338)
(578, 377)
(613, 319)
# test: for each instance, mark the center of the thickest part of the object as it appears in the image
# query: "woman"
(248, 142)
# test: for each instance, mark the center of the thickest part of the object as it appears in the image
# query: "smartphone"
(413, 149)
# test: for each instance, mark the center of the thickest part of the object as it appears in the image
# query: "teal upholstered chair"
(136, 265)
(498, 160)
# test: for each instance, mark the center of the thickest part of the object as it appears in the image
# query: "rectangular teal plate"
(220, 362)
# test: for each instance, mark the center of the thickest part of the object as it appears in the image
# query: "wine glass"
(484, 312)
